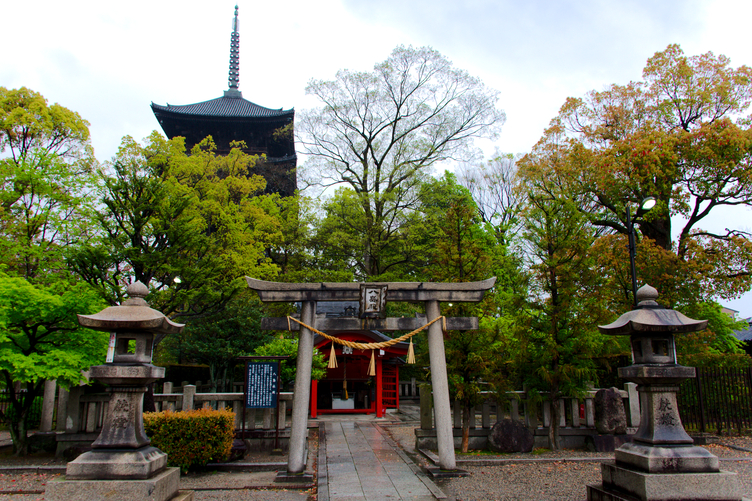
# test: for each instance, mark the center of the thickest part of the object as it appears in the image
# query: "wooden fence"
(717, 401)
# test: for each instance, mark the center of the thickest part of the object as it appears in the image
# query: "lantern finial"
(647, 295)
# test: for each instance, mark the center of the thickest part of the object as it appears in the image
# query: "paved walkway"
(363, 463)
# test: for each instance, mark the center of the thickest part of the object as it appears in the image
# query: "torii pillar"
(429, 293)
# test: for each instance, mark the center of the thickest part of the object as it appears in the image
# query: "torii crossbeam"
(429, 293)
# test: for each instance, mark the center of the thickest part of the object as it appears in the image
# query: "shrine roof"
(745, 334)
(227, 107)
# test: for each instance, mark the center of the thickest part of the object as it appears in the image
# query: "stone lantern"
(661, 462)
(122, 462)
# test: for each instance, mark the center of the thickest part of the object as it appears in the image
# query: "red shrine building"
(265, 131)
(349, 389)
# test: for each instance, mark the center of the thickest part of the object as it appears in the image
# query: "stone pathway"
(363, 463)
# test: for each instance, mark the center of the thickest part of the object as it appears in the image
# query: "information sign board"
(262, 385)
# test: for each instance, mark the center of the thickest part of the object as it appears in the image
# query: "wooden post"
(379, 389)
(314, 399)
(396, 375)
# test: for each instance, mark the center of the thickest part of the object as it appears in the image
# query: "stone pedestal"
(622, 484)
(161, 487)
(137, 464)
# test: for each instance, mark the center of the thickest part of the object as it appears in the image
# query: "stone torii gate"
(429, 293)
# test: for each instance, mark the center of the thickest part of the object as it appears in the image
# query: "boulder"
(610, 416)
(510, 435)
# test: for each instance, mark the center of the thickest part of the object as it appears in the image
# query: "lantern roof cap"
(650, 317)
(133, 315)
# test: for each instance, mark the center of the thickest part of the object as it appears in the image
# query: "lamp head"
(645, 206)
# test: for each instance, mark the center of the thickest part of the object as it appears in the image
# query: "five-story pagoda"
(265, 131)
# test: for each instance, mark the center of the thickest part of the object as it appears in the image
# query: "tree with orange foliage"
(681, 136)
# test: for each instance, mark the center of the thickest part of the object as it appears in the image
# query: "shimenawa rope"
(371, 346)
(368, 346)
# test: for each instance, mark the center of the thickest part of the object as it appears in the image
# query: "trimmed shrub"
(192, 438)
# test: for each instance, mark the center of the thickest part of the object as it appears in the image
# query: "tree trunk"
(17, 428)
(553, 428)
(20, 440)
(465, 428)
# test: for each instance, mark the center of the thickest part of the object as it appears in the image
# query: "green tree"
(46, 185)
(681, 135)
(460, 248)
(558, 325)
(379, 134)
(190, 226)
(218, 340)
(40, 339)
(286, 347)
(46, 179)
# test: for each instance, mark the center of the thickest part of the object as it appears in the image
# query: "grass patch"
(483, 452)
(540, 450)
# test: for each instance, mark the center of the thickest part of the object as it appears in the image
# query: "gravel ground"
(553, 480)
(207, 485)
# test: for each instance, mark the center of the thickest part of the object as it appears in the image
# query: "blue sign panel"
(262, 385)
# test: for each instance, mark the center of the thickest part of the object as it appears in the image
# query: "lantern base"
(161, 487)
(623, 484)
(113, 464)
(652, 459)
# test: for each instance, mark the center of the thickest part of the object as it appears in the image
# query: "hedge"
(192, 438)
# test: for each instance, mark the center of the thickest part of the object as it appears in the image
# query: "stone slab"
(139, 464)
(666, 459)
(162, 487)
(294, 478)
(599, 493)
(439, 473)
(718, 486)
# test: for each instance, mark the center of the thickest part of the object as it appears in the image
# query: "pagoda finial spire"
(234, 78)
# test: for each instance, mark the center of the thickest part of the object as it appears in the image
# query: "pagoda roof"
(225, 107)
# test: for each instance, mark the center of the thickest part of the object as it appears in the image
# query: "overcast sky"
(110, 60)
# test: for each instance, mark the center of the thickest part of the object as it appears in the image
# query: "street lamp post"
(645, 206)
